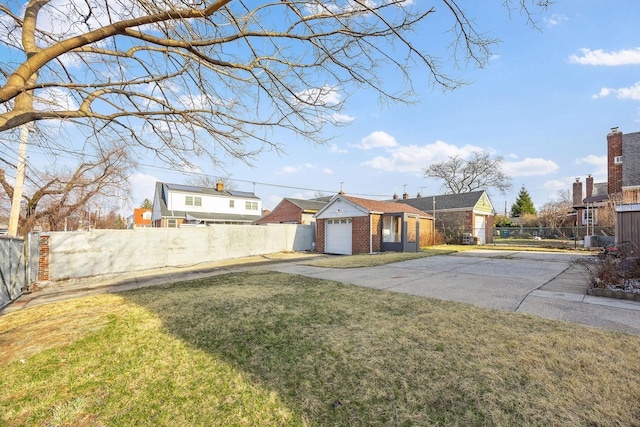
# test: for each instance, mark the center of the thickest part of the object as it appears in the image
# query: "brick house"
(294, 211)
(623, 179)
(176, 205)
(458, 214)
(141, 218)
(351, 225)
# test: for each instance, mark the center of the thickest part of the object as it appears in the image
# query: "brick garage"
(351, 225)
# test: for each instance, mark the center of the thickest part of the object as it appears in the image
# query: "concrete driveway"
(540, 283)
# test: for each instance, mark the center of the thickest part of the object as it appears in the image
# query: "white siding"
(213, 204)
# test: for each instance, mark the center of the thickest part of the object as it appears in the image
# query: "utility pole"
(17, 190)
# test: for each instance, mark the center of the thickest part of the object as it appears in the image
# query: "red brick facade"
(614, 171)
(286, 212)
(320, 235)
(43, 259)
(366, 238)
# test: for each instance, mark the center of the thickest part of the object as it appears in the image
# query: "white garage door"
(480, 229)
(338, 236)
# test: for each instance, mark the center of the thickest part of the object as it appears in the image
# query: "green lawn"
(265, 349)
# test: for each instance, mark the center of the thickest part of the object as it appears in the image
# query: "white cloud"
(327, 171)
(599, 163)
(334, 149)
(288, 170)
(142, 187)
(632, 92)
(413, 158)
(530, 167)
(555, 19)
(342, 118)
(54, 99)
(285, 170)
(325, 95)
(605, 91)
(611, 59)
(377, 139)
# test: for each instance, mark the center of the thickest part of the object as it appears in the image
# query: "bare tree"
(482, 171)
(208, 181)
(557, 213)
(57, 196)
(205, 78)
(183, 79)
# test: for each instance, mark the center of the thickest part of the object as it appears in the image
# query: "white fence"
(100, 252)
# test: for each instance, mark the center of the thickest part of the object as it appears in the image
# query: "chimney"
(395, 196)
(589, 186)
(614, 166)
(418, 195)
(405, 196)
(577, 193)
(220, 186)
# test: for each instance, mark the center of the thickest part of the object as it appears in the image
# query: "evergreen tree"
(523, 204)
(146, 204)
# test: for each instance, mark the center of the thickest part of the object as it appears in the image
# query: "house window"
(617, 160)
(171, 223)
(392, 229)
(193, 201)
(590, 216)
(251, 206)
(232, 203)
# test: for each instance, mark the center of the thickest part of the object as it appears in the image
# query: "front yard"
(264, 348)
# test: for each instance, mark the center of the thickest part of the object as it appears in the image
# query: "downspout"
(370, 233)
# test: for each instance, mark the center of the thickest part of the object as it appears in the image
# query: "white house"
(177, 205)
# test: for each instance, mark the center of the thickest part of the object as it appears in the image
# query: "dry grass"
(380, 258)
(276, 349)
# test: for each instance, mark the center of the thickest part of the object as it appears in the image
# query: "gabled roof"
(375, 206)
(631, 159)
(165, 212)
(307, 205)
(208, 191)
(446, 201)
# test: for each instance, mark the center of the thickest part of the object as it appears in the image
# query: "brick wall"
(320, 235)
(377, 232)
(614, 172)
(285, 212)
(360, 237)
(43, 259)
(426, 232)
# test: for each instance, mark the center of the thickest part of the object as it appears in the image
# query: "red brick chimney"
(589, 186)
(577, 193)
(614, 161)
(395, 196)
(405, 196)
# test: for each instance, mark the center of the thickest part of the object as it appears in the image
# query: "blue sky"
(545, 102)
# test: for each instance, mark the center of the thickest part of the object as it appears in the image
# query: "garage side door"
(338, 236)
(480, 229)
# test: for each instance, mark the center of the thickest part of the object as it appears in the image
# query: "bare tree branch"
(481, 172)
(191, 78)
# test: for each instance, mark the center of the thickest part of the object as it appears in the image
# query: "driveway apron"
(540, 283)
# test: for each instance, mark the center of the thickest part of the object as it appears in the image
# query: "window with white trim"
(590, 216)
(617, 160)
